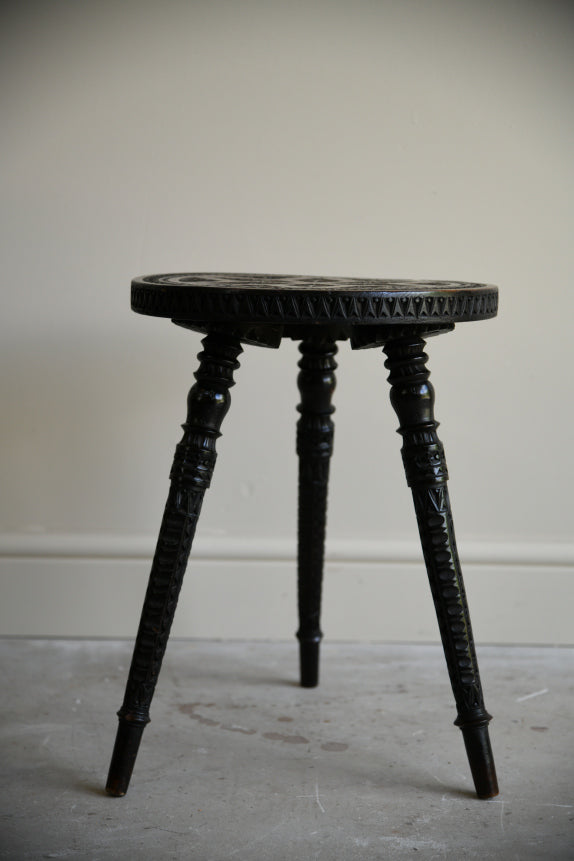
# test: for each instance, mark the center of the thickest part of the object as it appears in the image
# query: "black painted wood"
(194, 461)
(315, 431)
(412, 396)
(231, 297)
(262, 309)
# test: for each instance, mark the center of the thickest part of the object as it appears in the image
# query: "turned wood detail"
(315, 431)
(412, 397)
(234, 308)
(194, 461)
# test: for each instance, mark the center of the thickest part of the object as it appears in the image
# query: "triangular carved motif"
(369, 307)
(436, 498)
(326, 305)
(398, 308)
(381, 307)
(437, 305)
(356, 308)
(411, 310)
(339, 309)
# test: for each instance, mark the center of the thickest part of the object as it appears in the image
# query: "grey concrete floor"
(240, 763)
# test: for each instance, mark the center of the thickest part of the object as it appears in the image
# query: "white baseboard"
(93, 586)
(222, 547)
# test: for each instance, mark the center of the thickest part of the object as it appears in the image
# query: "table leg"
(208, 403)
(412, 396)
(316, 381)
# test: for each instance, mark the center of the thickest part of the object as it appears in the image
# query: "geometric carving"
(318, 311)
(208, 403)
(288, 299)
(412, 396)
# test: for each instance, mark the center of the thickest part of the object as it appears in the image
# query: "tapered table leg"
(315, 429)
(208, 403)
(412, 397)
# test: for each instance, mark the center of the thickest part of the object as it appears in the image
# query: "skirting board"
(93, 586)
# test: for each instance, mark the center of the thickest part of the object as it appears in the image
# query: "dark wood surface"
(319, 311)
(412, 397)
(315, 433)
(294, 299)
(207, 405)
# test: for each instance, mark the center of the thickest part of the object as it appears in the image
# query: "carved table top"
(288, 302)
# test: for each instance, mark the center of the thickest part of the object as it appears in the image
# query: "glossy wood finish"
(262, 309)
(412, 396)
(207, 405)
(315, 431)
(288, 299)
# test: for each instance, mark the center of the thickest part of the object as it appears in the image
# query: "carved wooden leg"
(208, 403)
(412, 397)
(316, 383)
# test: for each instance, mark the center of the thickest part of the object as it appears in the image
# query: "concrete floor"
(240, 763)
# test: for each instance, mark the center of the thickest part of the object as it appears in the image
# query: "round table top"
(292, 299)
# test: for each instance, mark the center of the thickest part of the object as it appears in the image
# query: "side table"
(233, 310)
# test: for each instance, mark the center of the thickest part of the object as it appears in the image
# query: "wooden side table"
(237, 309)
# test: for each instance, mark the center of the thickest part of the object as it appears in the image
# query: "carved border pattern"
(435, 304)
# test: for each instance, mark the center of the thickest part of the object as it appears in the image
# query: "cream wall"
(393, 138)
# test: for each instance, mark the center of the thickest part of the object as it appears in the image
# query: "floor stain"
(189, 710)
(288, 739)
